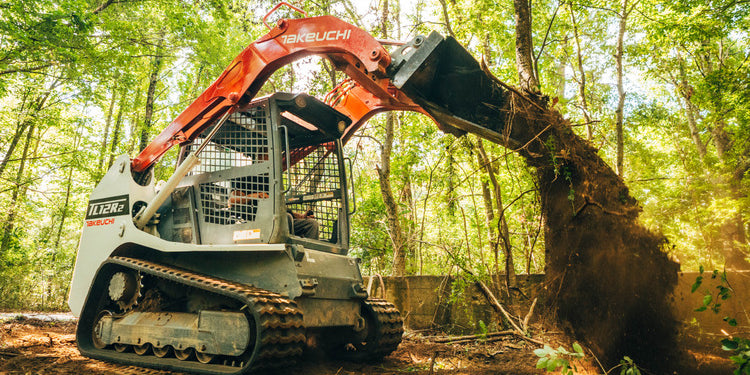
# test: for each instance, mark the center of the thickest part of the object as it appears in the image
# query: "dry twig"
(528, 316)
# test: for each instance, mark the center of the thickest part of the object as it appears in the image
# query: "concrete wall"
(449, 303)
(435, 301)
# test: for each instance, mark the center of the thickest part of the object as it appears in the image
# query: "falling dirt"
(609, 278)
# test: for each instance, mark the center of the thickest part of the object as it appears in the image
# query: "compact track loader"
(241, 256)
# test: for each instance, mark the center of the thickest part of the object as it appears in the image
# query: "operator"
(304, 225)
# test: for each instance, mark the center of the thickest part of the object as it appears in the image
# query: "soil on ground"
(34, 346)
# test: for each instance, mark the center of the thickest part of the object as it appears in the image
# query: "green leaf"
(701, 269)
(729, 344)
(697, 284)
(731, 321)
(542, 362)
(552, 365)
(577, 347)
(707, 299)
(715, 308)
(702, 308)
(540, 352)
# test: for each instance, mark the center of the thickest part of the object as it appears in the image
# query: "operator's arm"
(307, 215)
(238, 197)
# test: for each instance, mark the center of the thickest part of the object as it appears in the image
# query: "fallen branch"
(494, 302)
(489, 339)
(442, 339)
(497, 306)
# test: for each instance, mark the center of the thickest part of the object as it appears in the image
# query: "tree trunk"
(20, 129)
(720, 137)
(135, 115)
(524, 60)
(107, 125)
(151, 93)
(393, 220)
(391, 206)
(582, 78)
(446, 18)
(685, 90)
(116, 133)
(26, 120)
(64, 212)
(407, 197)
(503, 234)
(489, 216)
(620, 88)
(561, 75)
(19, 192)
(384, 20)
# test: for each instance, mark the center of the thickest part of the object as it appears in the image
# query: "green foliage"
(482, 331)
(628, 367)
(559, 359)
(724, 292)
(738, 346)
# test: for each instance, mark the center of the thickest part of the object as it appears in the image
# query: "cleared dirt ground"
(33, 346)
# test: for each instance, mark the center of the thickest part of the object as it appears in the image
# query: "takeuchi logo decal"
(95, 223)
(317, 36)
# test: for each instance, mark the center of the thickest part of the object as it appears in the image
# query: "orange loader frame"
(367, 92)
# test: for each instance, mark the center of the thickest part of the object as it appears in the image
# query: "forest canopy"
(660, 89)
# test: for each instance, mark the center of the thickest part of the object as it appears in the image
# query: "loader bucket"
(444, 78)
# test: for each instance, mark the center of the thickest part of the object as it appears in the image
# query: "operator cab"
(278, 155)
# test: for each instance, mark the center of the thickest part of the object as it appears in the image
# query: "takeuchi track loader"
(241, 256)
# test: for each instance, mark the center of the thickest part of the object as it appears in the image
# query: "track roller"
(183, 354)
(162, 352)
(141, 349)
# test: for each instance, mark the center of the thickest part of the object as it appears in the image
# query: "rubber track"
(391, 327)
(282, 328)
